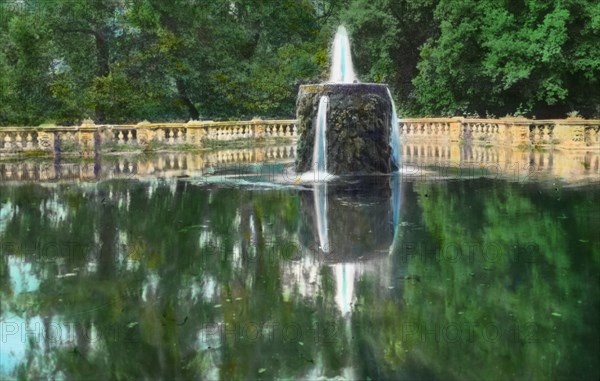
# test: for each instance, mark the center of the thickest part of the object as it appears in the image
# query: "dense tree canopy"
(532, 57)
(130, 60)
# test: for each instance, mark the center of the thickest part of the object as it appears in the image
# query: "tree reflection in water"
(463, 279)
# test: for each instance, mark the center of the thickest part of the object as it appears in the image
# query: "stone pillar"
(570, 136)
(85, 140)
(592, 136)
(195, 132)
(143, 132)
(504, 135)
(520, 134)
(455, 129)
(45, 140)
(192, 135)
(259, 130)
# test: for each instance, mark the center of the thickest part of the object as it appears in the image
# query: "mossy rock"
(358, 127)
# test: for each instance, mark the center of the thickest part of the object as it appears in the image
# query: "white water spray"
(319, 160)
(395, 131)
(320, 147)
(342, 70)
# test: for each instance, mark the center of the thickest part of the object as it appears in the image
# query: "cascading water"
(320, 170)
(320, 147)
(395, 132)
(342, 70)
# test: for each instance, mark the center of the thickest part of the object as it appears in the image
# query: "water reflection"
(320, 194)
(143, 166)
(172, 279)
(421, 160)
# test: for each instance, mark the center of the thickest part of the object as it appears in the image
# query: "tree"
(387, 36)
(25, 57)
(538, 58)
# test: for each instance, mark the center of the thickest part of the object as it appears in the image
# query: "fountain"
(346, 127)
(342, 70)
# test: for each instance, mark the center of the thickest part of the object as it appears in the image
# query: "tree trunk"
(103, 68)
(194, 114)
(102, 59)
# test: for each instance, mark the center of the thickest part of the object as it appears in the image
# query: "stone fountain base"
(358, 127)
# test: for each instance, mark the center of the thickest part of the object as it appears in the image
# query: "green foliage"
(387, 37)
(510, 267)
(540, 58)
(119, 61)
(116, 61)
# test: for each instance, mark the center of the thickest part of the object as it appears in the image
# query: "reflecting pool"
(229, 276)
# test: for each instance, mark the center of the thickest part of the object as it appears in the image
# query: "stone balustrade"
(516, 132)
(89, 138)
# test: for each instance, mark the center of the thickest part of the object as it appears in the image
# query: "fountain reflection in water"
(342, 70)
(396, 201)
(344, 273)
(320, 197)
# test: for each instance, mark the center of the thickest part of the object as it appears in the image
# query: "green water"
(176, 279)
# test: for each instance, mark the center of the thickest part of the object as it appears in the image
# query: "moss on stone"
(358, 132)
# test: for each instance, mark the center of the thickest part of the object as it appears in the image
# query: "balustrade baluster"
(18, 141)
